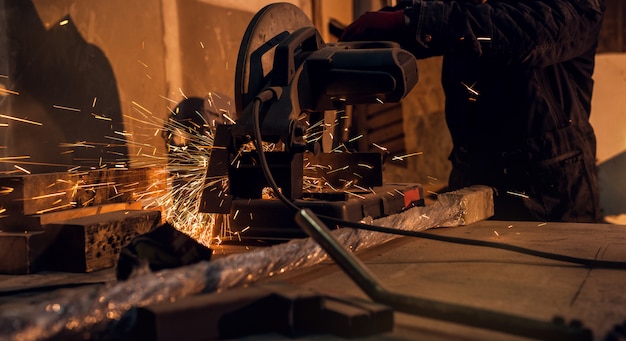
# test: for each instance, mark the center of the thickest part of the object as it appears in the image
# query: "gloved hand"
(381, 25)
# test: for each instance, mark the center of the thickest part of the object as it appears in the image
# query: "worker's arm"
(536, 33)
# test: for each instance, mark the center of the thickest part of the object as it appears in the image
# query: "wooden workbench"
(495, 279)
(480, 277)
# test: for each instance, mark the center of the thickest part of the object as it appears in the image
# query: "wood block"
(274, 307)
(53, 217)
(306, 306)
(22, 253)
(228, 314)
(380, 316)
(94, 242)
(26, 195)
(39, 194)
(354, 317)
(475, 203)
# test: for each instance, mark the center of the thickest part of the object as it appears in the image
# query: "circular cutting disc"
(256, 54)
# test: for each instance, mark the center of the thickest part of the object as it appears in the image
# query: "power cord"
(591, 263)
(273, 93)
(361, 275)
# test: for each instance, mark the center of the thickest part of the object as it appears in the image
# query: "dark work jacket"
(517, 79)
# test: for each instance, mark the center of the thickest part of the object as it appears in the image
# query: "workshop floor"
(481, 277)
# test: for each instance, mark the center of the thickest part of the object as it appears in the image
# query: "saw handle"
(291, 53)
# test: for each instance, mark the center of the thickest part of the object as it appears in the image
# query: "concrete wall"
(160, 52)
(131, 36)
(608, 117)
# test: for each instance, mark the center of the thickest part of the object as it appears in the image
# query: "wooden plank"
(52, 217)
(394, 147)
(22, 253)
(354, 317)
(497, 279)
(40, 194)
(229, 314)
(93, 243)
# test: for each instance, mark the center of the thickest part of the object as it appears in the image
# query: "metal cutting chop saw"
(287, 76)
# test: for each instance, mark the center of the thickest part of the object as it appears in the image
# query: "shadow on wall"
(613, 185)
(63, 110)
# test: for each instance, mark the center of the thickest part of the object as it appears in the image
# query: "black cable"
(417, 234)
(261, 98)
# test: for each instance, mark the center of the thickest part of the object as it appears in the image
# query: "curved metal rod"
(476, 317)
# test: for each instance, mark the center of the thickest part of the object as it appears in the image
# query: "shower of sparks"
(169, 100)
(6, 190)
(470, 89)
(7, 91)
(361, 188)
(99, 117)
(142, 63)
(21, 120)
(355, 138)
(521, 195)
(338, 169)
(379, 147)
(354, 194)
(56, 208)
(202, 44)
(542, 224)
(402, 157)
(178, 192)
(22, 169)
(228, 118)
(141, 107)
(65, 108)
(64, 22)
(340, 148)
(51, 195)
(81, 144)
(73, 169)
